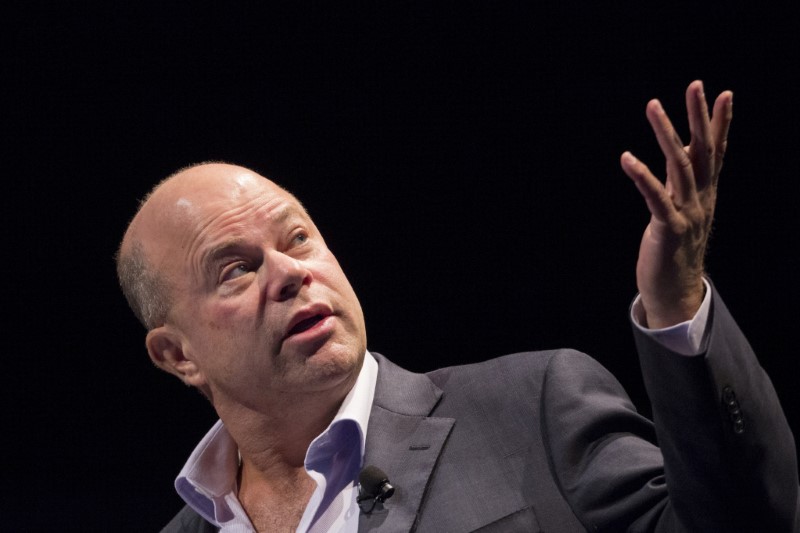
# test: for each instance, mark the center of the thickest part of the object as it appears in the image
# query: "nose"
(287, 276)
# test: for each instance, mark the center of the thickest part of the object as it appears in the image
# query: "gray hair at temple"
(147, 292)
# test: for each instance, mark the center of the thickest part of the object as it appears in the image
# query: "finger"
(680, 176)
(652, 190)
(720, 124)
(701, 148)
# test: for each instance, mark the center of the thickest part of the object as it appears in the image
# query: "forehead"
(241, 205)
(197, 210)
(206, 195)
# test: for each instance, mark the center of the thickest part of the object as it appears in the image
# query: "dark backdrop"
(460, 157)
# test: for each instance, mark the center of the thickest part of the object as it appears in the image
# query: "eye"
(234, 270)
(300, 238)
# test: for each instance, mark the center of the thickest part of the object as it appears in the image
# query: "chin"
(337, 364)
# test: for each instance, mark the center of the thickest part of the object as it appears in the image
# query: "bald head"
(142, 258)
(239, 292)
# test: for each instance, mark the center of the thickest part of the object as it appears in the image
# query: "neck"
(274, 440)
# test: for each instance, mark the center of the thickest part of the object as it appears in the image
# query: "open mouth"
(305, 324)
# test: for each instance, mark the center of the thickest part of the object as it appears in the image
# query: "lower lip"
(321, 328)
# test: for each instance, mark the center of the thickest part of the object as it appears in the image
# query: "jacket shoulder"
(528, 367)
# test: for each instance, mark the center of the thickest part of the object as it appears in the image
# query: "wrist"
(666, 310)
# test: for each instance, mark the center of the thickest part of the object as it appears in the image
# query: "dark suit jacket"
(549, 441)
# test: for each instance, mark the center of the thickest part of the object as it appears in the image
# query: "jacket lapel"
(404, 442)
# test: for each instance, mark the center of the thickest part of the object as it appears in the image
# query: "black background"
(461, 159)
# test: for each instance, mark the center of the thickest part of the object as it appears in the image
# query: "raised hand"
(670, 266)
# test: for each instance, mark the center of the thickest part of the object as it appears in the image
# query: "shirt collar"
(210, 473)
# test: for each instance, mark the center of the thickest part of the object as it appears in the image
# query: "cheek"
(220, 318)
(331, 274)
(231, 313)
(335, 279)
(221, 328)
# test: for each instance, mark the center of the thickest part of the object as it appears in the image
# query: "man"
(243, 300)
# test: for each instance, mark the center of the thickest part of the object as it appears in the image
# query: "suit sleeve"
(720, 456)
(729, 454)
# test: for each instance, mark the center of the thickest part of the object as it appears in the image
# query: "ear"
(170, 352)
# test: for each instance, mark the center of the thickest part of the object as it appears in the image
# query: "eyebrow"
(231, 246)
(223, 249)
(284, 213)
(219, 252)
